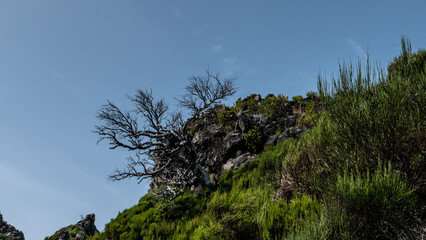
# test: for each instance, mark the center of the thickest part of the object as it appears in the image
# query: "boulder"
(235, 163)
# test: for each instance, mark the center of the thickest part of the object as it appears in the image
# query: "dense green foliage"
(240, 206)
(358, 173)
(224, 116)
(385, 193)
(254, 139)
(270, 106)
(298, 99)
(311, 115)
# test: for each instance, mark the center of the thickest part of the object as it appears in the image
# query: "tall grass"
(368, 117)
(240, 206)
(380, 117)
(377, 204)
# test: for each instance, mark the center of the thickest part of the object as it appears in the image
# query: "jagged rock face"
(9, 232)
(232, 143)
(222, 146)
(225, 138)
(80, 231)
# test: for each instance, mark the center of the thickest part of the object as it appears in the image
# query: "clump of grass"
(285, 217)
(377, 204)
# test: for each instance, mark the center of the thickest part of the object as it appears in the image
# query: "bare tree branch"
(163, 151)
(203, 92)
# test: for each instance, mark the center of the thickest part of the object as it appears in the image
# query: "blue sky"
(61, 60)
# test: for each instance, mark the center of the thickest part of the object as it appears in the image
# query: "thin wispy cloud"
(216, 48)
(176, 12)
(35, 189)
(357, 47)
(63, 81)
(230, 61)
(232, 65)
(250, 72)
(199, 31)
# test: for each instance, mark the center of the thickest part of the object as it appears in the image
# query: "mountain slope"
(350, 165)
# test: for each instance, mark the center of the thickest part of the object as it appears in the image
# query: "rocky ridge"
(9, 232)
(79, 231)
(228, 137)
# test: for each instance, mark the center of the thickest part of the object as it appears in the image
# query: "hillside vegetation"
(357, 173)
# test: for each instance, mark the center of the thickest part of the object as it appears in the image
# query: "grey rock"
(88, 224)
(63, 234)
(235, 163)
(272, 140)
(245, 123)
(214, 129)
(232, 142)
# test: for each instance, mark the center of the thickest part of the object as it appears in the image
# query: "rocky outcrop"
(9, 232)
(227, 137)
(219, 135)
(79, 231)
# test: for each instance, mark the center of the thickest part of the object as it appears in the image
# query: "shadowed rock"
(9, 232)
(80, 231)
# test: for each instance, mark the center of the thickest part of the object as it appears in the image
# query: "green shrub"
(298, 99)
(311, 115)
(224, 116)
(249, 104)
(309, 161)
(254, 140)
(97, 236)
(271, 105)
(378, 204)
(312, 95)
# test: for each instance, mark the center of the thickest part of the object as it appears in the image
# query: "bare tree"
(204, 92)
(162, 147)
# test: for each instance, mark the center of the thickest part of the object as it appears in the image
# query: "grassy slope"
(358, 174)
(240, 206)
